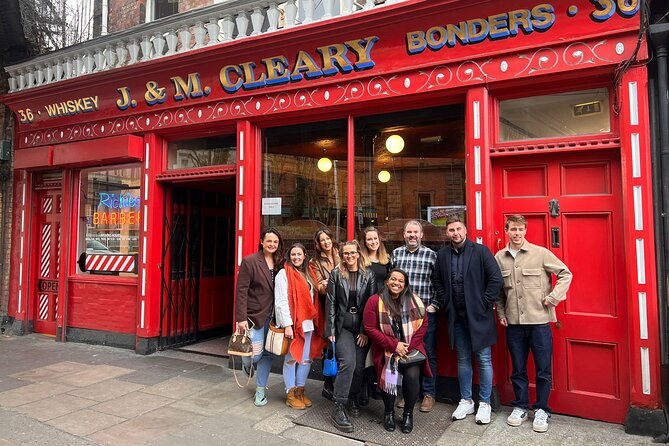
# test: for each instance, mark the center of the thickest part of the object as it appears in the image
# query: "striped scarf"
(411, 318)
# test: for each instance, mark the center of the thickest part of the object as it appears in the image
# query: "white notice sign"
(271, 206)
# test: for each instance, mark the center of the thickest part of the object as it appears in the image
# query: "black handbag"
(414, 357)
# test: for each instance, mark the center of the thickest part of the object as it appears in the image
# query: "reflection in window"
(305, 179)
(109, 211)
(204, 152)
(410, 165)
(555, 115)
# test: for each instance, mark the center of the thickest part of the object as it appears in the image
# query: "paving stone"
(315, 437)
(151, 375)
(92, 375)
(216, 399)
(85, 422)
(106, 390)
(132, 404)
(7, 383)
(50, 372)
(54, 407)
(210, 373)
(177, 388)
(33, 392)
(146, 429)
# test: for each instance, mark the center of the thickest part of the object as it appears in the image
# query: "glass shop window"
(203, 152)
(109, 220)
(410, 165)
(559, 115)
(304, 180)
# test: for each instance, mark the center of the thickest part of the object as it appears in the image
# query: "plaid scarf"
(411, 318)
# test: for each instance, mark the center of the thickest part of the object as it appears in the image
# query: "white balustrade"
(223, 21)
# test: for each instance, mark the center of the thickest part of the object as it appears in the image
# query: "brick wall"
(124, 14)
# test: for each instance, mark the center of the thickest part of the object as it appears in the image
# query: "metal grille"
(181, 260)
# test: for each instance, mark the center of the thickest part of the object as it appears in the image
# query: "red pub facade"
(141, 181)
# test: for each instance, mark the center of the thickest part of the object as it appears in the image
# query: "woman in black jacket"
(349, 287)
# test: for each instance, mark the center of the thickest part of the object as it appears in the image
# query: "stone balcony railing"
(180, 33)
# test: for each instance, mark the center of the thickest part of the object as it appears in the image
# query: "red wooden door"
(590, 373)
(46, 261)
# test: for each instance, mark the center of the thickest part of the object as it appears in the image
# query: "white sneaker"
(540, 423)
(466, 407)
(483, 414)
(517, 417)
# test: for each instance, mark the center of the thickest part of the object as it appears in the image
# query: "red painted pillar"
(19, 287)
(479, 179)
(150, 268)
(249, 193)
(639, 239)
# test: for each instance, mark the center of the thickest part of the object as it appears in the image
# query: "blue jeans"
(520, 339)
(463, 345)
(295, 373)
(261, 358)
(430, 342)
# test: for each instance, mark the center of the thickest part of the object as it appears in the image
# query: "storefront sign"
(271, 206)
(47, 286)
(111, 209)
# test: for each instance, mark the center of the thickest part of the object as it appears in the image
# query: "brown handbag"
(240, 344)
(276, 341)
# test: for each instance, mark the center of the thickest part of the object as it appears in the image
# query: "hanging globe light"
(324, 164)
(395, 144)
(384, 176)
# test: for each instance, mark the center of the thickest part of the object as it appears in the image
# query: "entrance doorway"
(46, 264)
(572, 203)
(197, 294)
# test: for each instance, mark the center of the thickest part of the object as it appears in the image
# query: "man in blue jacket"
(467, 283)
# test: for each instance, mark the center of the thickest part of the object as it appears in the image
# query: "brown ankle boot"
(303, 397)
(293, 400)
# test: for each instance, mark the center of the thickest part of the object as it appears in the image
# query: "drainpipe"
(660, 154)
(105, 17)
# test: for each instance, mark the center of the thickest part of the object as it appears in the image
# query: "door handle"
(555, 237)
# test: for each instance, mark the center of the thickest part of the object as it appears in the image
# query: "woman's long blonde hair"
(381, 253)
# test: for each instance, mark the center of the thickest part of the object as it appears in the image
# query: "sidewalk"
(75, 394)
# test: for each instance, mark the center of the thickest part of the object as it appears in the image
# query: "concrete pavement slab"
(54, 407)
(151, 375)
(33, 392)
(8, 383)
(50, 372)
(210, 373)
(18, 430)
(315, 437)
(146, 429)
(177, 388)
(132, 404)
(92, 375)
(85, 422)
(216, 399)
(106, 390)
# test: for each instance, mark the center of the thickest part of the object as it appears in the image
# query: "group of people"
(381, 309)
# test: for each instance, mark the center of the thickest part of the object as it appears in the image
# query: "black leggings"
(410, 389)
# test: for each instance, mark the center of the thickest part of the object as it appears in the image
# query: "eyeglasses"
(350, 254)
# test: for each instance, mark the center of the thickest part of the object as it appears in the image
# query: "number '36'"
(604, 9)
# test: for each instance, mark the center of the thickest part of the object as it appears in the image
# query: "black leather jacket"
(336, 304)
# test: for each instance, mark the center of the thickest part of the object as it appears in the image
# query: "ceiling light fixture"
(324, 164)
(384, 176)
(395, 144)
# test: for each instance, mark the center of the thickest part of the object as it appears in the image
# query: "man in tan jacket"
(526, 308)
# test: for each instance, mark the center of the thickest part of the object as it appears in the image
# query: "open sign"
(47, 286)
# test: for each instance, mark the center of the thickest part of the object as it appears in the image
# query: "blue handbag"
(330, 367)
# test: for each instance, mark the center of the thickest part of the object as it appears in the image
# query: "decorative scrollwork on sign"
(218, 111)
(304, 98)
(581, 53)
(353, 90)
(380, 86)
(439, 77)
(239, 107)
(542, 60)
(280, 102)
(473, 71)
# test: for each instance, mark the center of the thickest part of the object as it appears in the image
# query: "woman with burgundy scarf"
(298, 310)
(395, 321)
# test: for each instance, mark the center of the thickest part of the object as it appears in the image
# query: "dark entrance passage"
(197, 293)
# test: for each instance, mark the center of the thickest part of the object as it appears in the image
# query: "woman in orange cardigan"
(298, 310)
